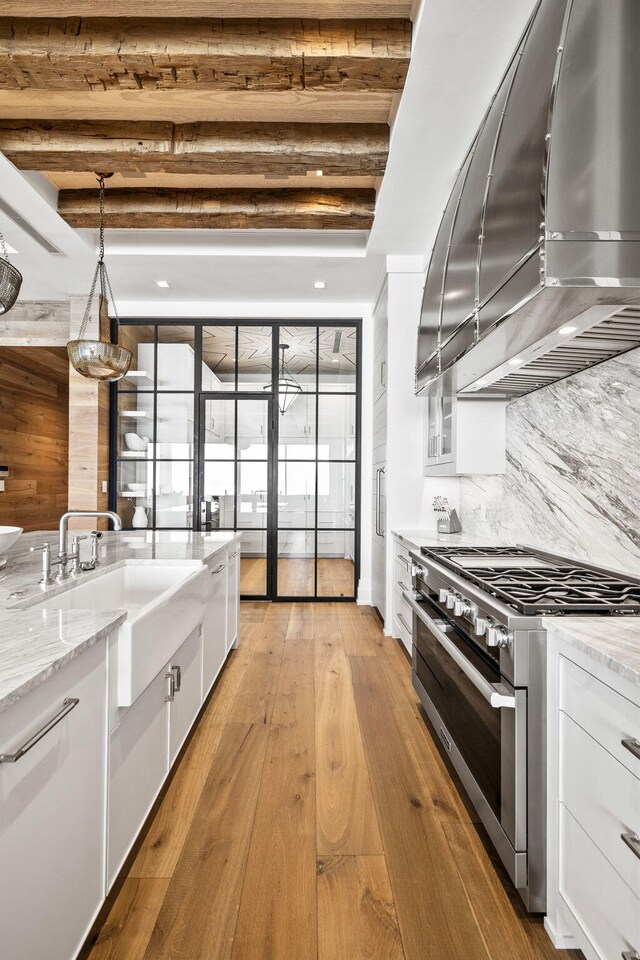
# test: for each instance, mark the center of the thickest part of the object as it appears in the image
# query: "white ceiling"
(460, 52)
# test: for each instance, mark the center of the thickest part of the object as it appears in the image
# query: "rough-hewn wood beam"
(209, 8)
(236, 209)
(197, 54)
(272, 149)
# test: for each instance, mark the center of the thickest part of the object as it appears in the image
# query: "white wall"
(409, 494)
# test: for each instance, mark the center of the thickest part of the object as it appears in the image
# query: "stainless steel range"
(479, 669)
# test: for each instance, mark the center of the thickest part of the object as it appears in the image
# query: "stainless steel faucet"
(64, 557)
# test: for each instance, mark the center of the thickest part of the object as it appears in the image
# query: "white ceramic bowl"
(137, 486)
(134, 442)
(8, 536)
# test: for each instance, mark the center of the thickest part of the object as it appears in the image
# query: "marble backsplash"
(572, 483)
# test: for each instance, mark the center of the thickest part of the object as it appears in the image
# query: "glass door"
(235, 478)
(316, 463)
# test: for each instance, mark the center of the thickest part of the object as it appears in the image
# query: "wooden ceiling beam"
(203, 54)
(272, 149)
(190, 106)
(317, 9)
(226, 209)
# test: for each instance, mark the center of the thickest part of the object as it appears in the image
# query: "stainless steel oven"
(481, 720)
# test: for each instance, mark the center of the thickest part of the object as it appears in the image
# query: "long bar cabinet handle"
(630, 955)
(632, 745)
(632, 840)
(68, 704)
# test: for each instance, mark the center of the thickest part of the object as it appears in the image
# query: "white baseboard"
(364, 593)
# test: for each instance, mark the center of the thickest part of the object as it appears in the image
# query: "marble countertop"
(35, 643)
(612, 641)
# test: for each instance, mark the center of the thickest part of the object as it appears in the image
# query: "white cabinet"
(233, 596)
(186, 693)
(52, 802)
(402, 615)
(138, 765)
(378, 520)
(215, 621)
(462, 435)
(593, 742)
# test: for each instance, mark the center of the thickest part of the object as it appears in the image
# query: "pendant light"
(10, 280)
(99, 359)
(288, 387)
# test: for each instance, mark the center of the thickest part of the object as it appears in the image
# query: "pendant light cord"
(100, 271)
(3, 246)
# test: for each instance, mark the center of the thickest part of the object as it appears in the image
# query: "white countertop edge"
(49, 665)
(619, 652)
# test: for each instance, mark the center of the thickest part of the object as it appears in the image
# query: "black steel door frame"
(272, 470)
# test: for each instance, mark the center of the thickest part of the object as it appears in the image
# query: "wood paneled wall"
(34, 435)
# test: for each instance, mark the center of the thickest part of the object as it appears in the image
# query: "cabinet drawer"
(52, 811)
(609, 717)
(602, 795)
(187, 666)
(403, 612)
(600, 900)
(402, 578)
(405, 634)
(403, 565)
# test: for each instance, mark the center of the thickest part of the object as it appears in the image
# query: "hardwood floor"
(296, 577)
(313, 818)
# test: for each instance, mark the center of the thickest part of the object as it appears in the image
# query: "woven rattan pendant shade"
(10, 280)
(99, 359)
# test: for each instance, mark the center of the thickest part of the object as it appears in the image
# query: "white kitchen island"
(95, 706)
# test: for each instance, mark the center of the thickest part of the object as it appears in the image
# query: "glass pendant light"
(288, 387)
(10, 280)
(99, 359)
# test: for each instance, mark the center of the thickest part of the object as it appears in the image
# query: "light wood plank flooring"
(313, 818)
(296, 577)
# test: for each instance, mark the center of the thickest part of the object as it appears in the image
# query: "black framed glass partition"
(210, 431)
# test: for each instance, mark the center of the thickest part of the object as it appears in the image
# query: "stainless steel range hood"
(539, 245)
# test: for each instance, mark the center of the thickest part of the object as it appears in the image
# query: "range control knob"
(498, 636)
(443, 595)
(417, 571)
(451, 599)
(479, 626)
(462, 607)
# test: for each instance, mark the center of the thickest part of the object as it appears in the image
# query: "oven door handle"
(495, 693)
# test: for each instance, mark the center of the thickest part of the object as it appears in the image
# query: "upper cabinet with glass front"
(462, 436)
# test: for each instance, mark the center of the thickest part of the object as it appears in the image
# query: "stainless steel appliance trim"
(497, 694)
(68, 704)
(178, 681)
(171, 687)
(515, 861)
(632, 745)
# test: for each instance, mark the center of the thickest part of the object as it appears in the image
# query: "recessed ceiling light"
(335, 359)
(163, 283)
(565, 330)
(516, 361)
(319, 284)
(319, 173)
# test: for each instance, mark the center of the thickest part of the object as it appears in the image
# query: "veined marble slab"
(612, 641)
(572, 483)
(35, 643)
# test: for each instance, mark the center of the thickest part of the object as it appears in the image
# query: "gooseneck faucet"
(64, 557)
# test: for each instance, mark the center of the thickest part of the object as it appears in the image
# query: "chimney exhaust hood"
(535, 272)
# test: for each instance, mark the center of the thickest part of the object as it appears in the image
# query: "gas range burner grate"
(554, 585)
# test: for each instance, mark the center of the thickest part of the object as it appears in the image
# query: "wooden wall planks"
(34, 435)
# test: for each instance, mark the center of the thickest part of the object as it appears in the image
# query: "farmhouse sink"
(164, 603)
